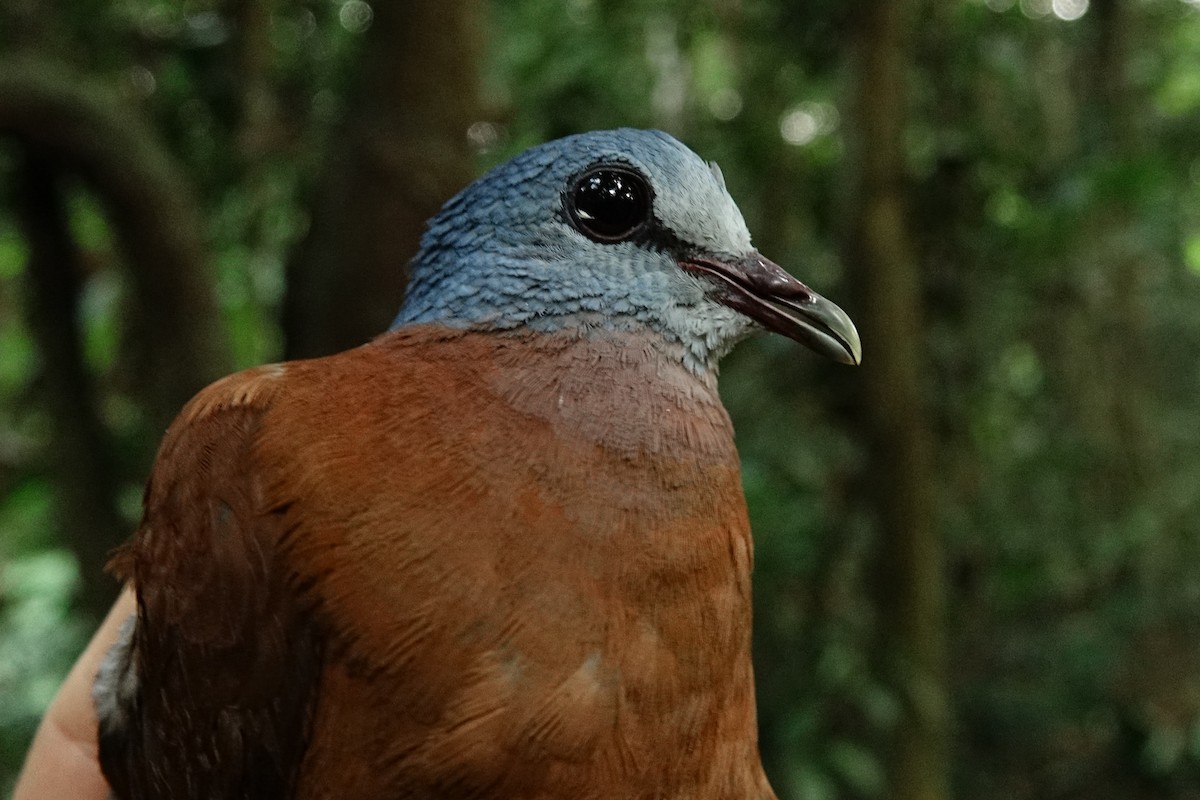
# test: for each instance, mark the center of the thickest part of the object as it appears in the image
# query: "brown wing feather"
(225, 661)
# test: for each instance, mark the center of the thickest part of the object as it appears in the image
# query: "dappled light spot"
(142, 80)
(356, 16)
(725, 104)
(806, 121)
(1036, 9)
(484, 135)
(1069, 9)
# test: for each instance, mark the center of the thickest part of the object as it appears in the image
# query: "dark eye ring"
(609, 203)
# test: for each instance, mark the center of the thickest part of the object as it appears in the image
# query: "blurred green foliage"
(1059, 237)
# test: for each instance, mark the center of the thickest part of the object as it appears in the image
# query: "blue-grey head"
(620, 230)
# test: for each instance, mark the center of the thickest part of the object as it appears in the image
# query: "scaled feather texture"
(501, 551)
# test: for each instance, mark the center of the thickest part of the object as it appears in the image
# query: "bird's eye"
(609, 204)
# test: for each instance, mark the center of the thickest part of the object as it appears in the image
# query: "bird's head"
(621, 230)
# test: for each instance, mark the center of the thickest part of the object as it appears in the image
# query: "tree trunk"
(1119, 315)
(401, 153)
(256, 124)
(879, 250)
(80, 450)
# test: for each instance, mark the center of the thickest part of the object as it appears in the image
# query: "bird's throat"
(618, 390)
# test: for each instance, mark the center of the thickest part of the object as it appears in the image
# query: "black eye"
(609, 204)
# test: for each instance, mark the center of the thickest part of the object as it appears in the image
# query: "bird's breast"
(556, 574)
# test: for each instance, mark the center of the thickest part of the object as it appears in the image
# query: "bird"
(501, 550)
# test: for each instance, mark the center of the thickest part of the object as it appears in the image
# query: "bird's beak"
(760, 289)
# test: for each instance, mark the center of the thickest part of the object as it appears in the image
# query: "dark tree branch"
(879, 249)
(92, 134)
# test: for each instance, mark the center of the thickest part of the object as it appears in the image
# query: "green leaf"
(1191, 254)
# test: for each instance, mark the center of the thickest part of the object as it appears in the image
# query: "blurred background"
(978, 561)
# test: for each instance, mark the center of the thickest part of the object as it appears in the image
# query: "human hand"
(63, 761)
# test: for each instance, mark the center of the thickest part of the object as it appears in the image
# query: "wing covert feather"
(225, 660)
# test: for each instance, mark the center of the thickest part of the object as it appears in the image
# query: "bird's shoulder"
(221, 667)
